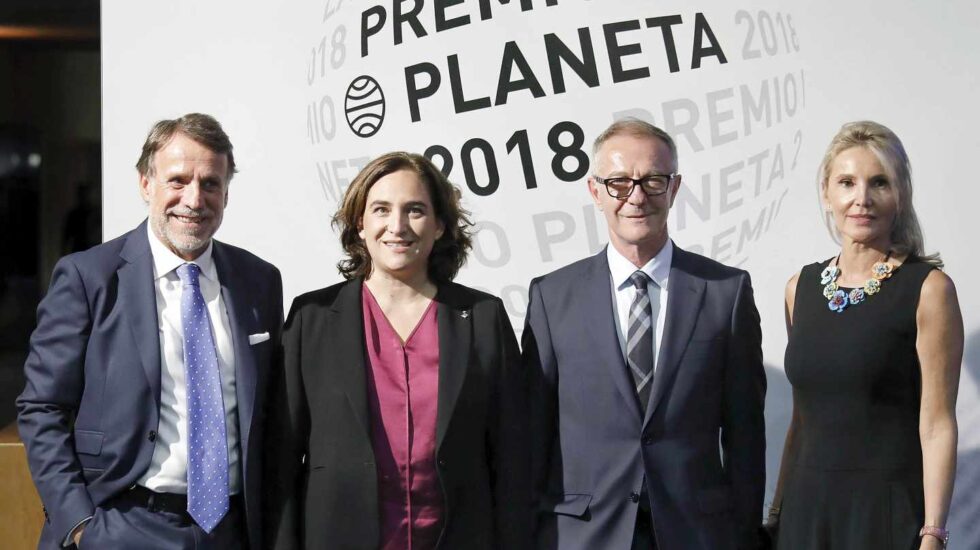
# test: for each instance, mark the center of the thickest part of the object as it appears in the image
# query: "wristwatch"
(938, 532)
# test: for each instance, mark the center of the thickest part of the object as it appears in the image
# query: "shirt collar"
(658, 268)
(165, 261)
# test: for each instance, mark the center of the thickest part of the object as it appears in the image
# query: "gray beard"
(183, 243)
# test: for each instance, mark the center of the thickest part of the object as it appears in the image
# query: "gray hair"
(906, 234)
(204, 129)
(638, 128)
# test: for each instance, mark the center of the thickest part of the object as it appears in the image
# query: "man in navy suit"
(648, 384)
(143, 410)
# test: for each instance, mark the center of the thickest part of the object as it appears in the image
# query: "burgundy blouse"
(403, 390)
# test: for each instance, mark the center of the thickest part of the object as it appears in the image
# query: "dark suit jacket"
(89, 413)
(593, 449)
(322, 478)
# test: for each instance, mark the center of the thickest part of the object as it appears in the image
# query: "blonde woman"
(875, 343)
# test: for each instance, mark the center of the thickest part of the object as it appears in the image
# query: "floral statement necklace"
(838, 299)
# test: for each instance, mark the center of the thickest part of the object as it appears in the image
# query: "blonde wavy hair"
(906, 234)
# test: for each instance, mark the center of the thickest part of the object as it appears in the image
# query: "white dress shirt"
(168, 466)
(623, 292)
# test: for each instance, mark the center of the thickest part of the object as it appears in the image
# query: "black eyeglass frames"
(620, 187)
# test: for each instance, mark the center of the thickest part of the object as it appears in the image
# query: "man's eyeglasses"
(620, 187)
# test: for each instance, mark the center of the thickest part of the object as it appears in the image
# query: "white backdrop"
(753, 92)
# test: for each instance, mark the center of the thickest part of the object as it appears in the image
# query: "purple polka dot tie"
(207, 446)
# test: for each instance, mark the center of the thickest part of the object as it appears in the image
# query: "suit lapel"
(685, 293)
(345, 341)
(598, 313)
(242, 317)
(454, 316)
(137, 294)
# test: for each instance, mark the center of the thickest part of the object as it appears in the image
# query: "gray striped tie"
(639, 338)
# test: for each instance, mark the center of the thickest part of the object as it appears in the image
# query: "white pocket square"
(257, 338)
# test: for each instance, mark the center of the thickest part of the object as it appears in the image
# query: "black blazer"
(322, 489)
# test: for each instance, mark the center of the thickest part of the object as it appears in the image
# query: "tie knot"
(189, 273)
(640, 280)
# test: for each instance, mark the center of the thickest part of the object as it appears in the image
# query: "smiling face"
(186, 192)
(399, 226)
(638, 223)
(861, 198)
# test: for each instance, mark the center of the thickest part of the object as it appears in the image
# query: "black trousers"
(644, 537)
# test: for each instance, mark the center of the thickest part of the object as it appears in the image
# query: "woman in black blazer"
(397, 417)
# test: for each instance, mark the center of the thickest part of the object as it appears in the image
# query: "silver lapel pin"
(464, 314)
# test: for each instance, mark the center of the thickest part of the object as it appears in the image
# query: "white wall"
(264, 69)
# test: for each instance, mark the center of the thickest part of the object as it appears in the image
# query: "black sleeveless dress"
(855, 479)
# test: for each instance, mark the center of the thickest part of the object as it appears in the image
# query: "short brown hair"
(204, 129)
(635, 127)
(449, 252)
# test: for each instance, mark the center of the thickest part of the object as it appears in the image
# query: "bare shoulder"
(938, 284)
(940, 330)
(937, 296)
(790, 298)
(791, 288)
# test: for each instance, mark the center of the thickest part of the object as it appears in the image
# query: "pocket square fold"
(257, 338)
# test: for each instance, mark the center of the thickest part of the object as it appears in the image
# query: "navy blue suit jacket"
(89, 412)
(592, 447)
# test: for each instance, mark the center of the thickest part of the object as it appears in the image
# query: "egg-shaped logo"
(364, 106)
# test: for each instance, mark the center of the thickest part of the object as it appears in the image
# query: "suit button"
(442, 464)
(647, 440)
(634, 497)
(152, 436)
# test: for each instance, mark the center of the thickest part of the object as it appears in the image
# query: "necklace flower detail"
(838, 300)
